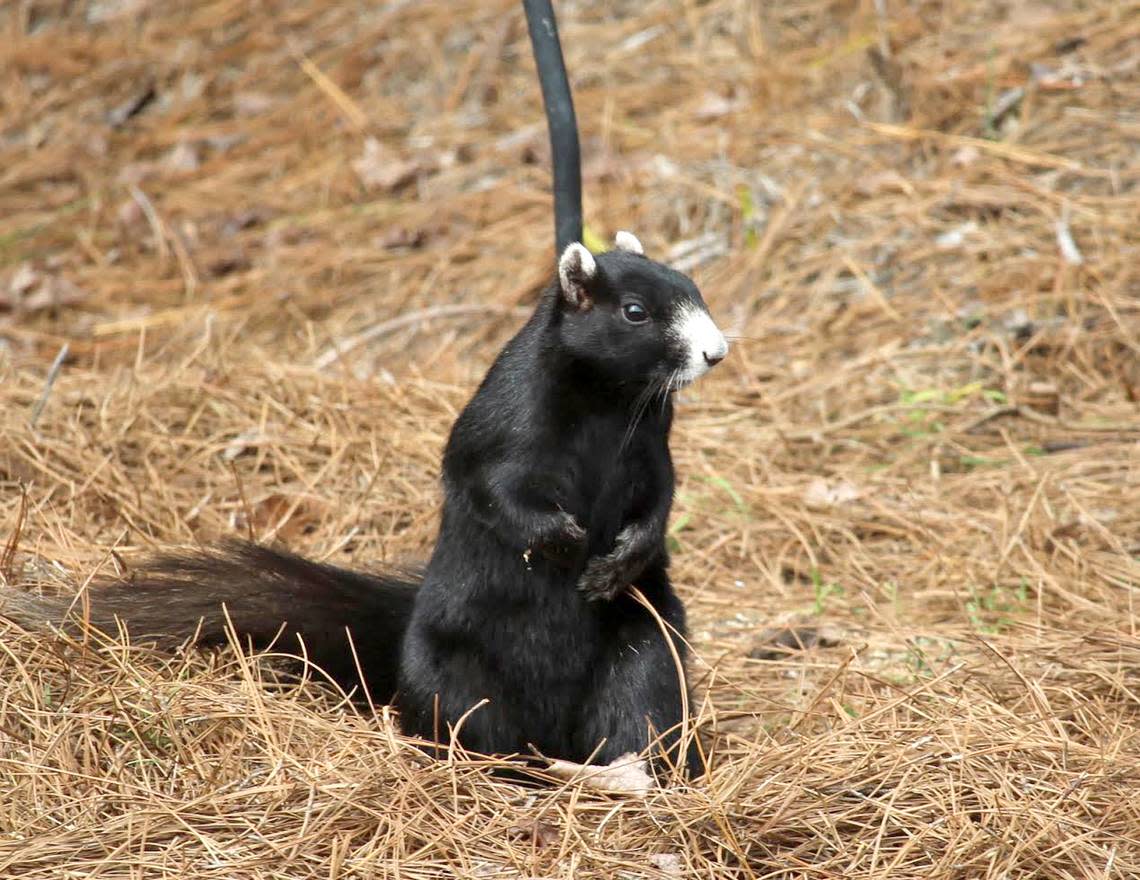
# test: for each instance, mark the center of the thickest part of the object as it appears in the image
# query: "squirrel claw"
(567, 543)
(573, 531)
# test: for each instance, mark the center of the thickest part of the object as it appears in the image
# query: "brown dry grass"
(873, 457)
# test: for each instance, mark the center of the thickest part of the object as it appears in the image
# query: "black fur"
(558, 485)
(264, 596)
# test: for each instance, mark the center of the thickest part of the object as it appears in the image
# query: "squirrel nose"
(713, 359)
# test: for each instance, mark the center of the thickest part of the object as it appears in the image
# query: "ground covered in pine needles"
(270, 248)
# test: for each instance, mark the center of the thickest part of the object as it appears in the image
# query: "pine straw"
(258, 344)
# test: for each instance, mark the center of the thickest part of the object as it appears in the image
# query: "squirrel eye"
(635, 313)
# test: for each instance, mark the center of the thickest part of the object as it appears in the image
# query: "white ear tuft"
(576, 268)
(627, 241)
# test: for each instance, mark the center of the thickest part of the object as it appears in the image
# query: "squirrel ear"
(627, 241)
(576, 269)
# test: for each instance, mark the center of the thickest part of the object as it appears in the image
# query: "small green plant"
(972, 320)
(989, 128)
(747, 216)
(721, 483)
(970, 462)
(923, 419)
(703, 501)
(925, 655)
(916, 659)
(823, 591)
(891, 591)
(679, 525)
(594, 243)
(991, 611)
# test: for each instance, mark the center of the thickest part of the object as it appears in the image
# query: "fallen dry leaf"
(183, 157)
(714, 106)
(380, 168)
(667, 863)
(626, 774)
(31, 290)
(541, 833)
(401, 237)
(253, 103)
(776, 643)
(819, 495)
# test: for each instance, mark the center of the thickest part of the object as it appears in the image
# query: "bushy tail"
(267, 596)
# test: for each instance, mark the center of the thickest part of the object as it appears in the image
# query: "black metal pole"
(565, 154)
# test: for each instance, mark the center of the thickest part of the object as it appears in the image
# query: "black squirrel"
(557, 487)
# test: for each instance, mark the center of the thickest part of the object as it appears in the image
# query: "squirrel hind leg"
(640, 706)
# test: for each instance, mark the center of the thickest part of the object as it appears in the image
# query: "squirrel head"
(634, 320)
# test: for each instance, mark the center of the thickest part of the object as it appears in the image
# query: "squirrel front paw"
(607, 577)
(565, 540)
(604, 579)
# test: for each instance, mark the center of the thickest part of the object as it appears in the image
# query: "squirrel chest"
(618, 473)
